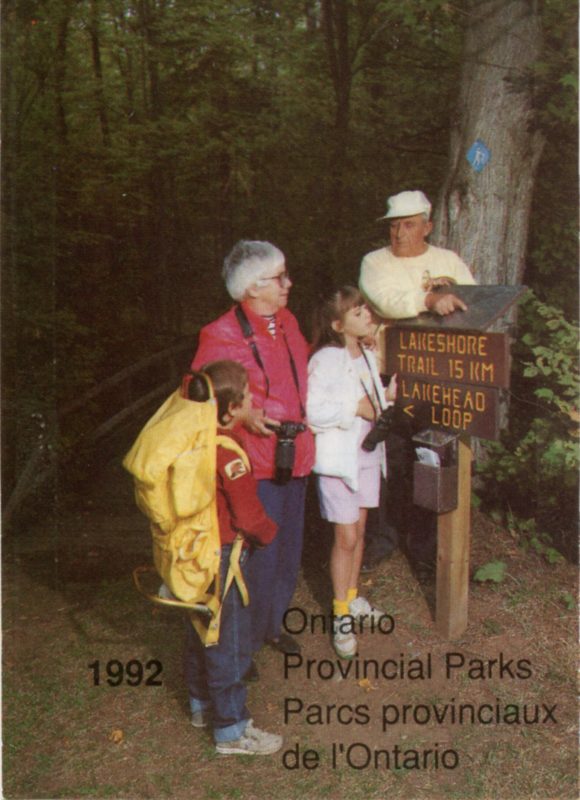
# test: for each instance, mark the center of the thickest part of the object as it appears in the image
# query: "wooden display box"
(435, 487)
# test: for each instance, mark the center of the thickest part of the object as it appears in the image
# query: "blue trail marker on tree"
(478, 155)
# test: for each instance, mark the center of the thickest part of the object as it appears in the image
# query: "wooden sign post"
(450, 372)
(453, 529)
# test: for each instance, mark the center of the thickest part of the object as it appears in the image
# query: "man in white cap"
(398, 281)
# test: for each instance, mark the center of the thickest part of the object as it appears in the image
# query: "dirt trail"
(70, 609)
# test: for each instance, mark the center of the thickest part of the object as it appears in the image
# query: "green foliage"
(552, 260)
(534, 469)
(526, 533)
(142, 139)
(475, 500)
(568, 600)
(558, 67)
(492, 571)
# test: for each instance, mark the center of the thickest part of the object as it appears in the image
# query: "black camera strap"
(248, 335)
(294, 372)
(366, 391)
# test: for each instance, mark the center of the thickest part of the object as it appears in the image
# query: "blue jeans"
(215, 674)
(273, 570)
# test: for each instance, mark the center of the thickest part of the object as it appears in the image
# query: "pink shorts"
(338, 503)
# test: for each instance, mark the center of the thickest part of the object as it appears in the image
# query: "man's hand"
(444, 304)
(443, 280)
(257, 420)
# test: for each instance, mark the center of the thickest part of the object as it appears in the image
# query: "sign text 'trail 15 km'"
(459, 356)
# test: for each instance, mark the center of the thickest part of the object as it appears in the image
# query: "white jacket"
(334, 391)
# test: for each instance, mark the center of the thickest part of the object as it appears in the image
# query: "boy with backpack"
(214, 665)
(215, 674)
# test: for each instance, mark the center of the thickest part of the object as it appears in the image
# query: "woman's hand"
(256, 422)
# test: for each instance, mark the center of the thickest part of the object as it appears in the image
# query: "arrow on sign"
(409, 410)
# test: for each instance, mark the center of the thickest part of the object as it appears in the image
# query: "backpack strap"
(140, 572)
(213, 607)
(234, 572)
(209, 633)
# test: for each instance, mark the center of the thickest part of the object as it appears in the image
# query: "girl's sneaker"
(343, 641)
(361, 608)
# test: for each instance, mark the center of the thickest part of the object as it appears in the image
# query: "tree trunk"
(335, 25)
(98, 70)
(335, 21)
(60, 72)
(484, 215)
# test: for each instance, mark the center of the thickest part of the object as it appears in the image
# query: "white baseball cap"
(407, 204)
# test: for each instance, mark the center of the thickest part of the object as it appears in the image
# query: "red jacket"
(238, 505)
(223, 339)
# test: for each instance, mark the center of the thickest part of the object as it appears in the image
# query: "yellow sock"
(351, 595)
(339, 607)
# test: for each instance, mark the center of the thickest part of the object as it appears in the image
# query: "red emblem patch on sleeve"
(235, 469)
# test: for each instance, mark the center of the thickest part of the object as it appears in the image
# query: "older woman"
(260, 333)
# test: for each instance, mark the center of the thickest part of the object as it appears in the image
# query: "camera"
(378, 433)
(286, 432)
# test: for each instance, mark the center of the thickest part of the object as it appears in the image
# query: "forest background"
(142, 138)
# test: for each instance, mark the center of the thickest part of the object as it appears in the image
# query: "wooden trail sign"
(485, 305)
(450, 371)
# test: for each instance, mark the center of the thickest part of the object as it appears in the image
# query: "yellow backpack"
(173, 463)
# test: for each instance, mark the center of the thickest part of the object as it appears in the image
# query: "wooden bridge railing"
(49, 453)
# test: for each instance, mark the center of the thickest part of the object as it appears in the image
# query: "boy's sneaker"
(360, 607)
(344, 641)
(201, 718)
(252, 742)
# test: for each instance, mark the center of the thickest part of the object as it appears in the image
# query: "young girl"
(345, 396)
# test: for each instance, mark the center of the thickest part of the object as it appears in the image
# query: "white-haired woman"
(260, 333)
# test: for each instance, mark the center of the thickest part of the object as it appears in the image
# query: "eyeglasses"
(283, 278)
